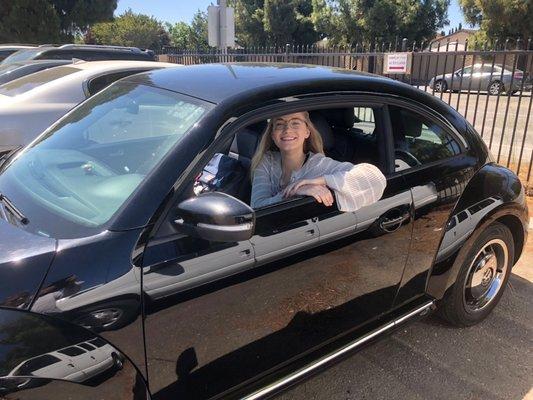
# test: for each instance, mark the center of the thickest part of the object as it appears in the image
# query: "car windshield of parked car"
(83, 169)
(29, 82)
(22, 55)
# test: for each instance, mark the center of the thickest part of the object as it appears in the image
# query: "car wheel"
(117, 362)
(441, 86)
(495, 88)
(482, 278)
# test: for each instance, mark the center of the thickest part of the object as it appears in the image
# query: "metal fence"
(490, 87)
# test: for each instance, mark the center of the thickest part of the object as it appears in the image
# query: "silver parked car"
(30, 104)
(485, 77)
(10, 72)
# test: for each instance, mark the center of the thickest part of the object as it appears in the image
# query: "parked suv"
(82, 52)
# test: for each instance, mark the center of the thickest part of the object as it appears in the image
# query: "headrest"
(323, 127)
(412, 125)
(244, 145)
(342, 118)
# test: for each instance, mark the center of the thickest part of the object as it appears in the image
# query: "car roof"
(85, 70)
(219, 82)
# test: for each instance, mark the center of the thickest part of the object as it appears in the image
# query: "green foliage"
(50, 21)
(28, 21)
(347, 22)
(193, 36)
(130, 29)
(500, 19)
(78, 15)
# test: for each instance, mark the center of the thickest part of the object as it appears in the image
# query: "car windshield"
(83, 169)
(22, 55)
(29, 82)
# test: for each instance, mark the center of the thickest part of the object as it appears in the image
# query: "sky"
(182, 10)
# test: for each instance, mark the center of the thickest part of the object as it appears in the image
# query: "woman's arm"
(355, 186)
(262, 188)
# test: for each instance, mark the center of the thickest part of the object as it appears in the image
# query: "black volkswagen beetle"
(119, 232)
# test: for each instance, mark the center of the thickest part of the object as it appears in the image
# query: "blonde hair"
(313, 143)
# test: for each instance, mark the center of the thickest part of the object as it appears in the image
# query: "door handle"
(310, 232)
(245, 253)
(393, 224)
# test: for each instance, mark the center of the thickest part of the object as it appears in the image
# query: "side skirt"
(400, 317)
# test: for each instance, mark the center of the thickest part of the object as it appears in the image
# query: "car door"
(461, 80)
(232, 312)
(438, 171)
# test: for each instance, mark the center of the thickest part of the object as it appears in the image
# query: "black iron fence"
(489, 86)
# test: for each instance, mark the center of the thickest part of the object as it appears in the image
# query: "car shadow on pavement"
(432, 360)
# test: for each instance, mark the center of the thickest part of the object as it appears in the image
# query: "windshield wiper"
(9, 206)
(10, 154)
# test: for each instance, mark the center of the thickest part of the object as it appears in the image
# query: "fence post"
(404, 44)
(287, 49)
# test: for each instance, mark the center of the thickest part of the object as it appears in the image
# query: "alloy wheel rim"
(485, 275)
(494, 88)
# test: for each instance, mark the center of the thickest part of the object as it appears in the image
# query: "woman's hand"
(291, 190)
(320, 192)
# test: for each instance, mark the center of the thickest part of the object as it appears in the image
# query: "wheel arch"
(491, 181)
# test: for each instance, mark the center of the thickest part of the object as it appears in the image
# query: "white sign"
(397, 63)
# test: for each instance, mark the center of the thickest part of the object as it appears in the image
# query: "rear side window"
(30, 366)
(419, 141)
(29, 82)
(101, 82)
(71, 351)
(365, 121)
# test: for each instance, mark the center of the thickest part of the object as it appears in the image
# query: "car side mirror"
(215, 216)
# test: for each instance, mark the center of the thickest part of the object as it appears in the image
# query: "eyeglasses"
(294, 124)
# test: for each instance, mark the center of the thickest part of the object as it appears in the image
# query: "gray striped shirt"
(355, 186)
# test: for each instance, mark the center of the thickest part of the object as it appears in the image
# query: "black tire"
(460, 307)
(441, 86)
(495, 88)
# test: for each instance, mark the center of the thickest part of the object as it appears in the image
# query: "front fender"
(42, 357)
(493, 194)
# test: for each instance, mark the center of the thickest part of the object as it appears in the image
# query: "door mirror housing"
(215, 216)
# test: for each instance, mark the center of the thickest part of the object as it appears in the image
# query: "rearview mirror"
(217, 217)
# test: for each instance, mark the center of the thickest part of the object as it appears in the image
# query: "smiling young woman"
(290, 161)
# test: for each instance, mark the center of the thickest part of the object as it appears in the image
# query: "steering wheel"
(407, 157)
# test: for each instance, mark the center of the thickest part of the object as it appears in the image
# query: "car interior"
(349, 134)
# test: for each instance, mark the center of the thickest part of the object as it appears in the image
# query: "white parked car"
(30, 104)
(76, 363)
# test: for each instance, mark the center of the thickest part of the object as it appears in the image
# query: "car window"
(87, 166)
(35, 364)
(22, 55)
(29, 82)
(99, 83)
(71, 351)
(467, 70)
(419, 141)
(486, 69)
(98, 342)
(365, 122)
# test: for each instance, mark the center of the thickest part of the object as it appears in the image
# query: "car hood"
(24, 261)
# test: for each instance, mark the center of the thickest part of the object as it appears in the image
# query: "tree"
(130, 29)
(193, 36)
(500, 19)
(28, 21)
(263, 22)
(347, 22)
(78, 15)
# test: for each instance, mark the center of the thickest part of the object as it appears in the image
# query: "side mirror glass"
(217, 217)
